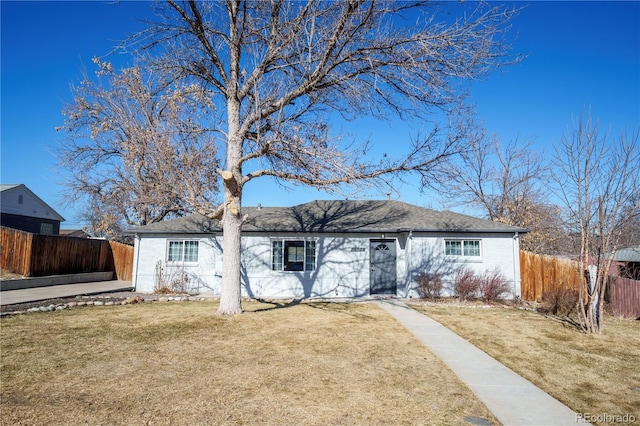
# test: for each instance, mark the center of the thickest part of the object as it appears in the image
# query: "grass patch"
(6, 275)
(589, 373)
(179, 363)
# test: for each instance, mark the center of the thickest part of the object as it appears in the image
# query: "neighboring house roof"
(336, 216)
(630, 254)
(78, 233)
(4, 187)
(35, 207)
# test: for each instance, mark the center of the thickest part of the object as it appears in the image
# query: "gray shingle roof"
(337, 216)
(630, 254)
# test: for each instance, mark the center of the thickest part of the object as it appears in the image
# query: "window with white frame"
(293, 255)
(185, 251)
(465, 248)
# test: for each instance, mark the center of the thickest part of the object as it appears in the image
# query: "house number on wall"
(357, 249)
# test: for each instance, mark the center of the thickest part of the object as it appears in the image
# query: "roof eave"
(353, 231)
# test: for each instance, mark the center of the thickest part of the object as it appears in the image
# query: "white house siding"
(342, 263)
(497, 251)
(339, 272)
(204, 276)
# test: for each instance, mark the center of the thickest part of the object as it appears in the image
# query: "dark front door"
(383, 266)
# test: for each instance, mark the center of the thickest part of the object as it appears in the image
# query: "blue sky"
(580, 55)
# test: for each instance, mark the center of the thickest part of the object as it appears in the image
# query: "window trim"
(462, 242)
(181, 261)
(279, 260)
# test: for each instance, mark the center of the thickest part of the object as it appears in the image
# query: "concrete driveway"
(11, 297)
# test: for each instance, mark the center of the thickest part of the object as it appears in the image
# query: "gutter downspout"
(136, 253)
(516, 265)
(409, 263)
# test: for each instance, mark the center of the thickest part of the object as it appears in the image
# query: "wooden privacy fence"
(34, 255)
(624, 296)
(539, 274)
(122, 260)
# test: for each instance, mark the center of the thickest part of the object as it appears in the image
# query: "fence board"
(122, 260)
(34, 255)
(53, 255)
(15, 248)
(540, 274)
(624, 295)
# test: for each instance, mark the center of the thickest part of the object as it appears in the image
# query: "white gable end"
(19, 200)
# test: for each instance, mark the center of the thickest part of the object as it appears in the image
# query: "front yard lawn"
(179, 363)
(596, 374)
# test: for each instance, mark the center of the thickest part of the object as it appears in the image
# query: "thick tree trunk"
(230, 303)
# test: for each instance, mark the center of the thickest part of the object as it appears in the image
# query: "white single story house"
(327, 249)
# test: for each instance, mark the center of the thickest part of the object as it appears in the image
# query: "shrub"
(492, 285)
(172, 281)
(559, 301)
(429, 285)
(466, 284)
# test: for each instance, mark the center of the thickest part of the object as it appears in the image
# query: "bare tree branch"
(136, 149)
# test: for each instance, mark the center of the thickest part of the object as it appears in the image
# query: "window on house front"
(466, 248)
(293, 255)
(183, 251)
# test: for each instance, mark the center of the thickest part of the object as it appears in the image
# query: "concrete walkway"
(10, 297)
(511, 398)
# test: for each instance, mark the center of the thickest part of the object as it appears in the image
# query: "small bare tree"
(277, 70)
(597, 178)
(136, 148)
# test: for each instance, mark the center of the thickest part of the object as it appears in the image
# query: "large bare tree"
(598, 180)
(279, 70)
(137, 149)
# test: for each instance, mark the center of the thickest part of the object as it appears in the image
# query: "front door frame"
(383, 275)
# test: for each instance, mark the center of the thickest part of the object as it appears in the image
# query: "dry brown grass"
(179, 363)
(6, 275)
(598, 374)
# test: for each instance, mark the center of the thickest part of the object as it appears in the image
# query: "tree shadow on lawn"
(275, 304)
(341, 307)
